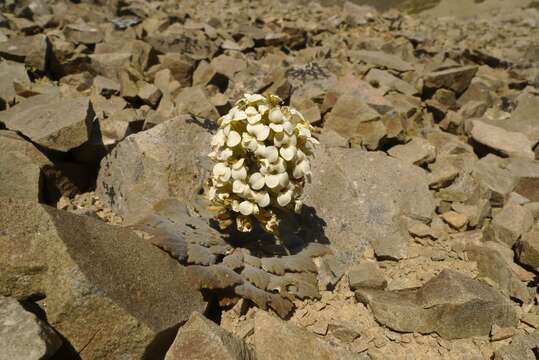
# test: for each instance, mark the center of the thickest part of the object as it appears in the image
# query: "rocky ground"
(420, 234)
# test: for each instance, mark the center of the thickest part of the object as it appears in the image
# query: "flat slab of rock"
(276, 340)
(451, 304)
(381, 59)
(22, 335)
(362, 195)
(71, 259)
(201, 338)
(417, 152)
(456, 79)
(514, 144)
(522, 347)
(153, 165)
(528, 249)
(51, 121)
(10, 73)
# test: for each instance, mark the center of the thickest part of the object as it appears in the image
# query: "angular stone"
(32, 50)
(514, 144)
(381, 59)
(53, 122)
(82, 33)
(22, 335)
(349, 111)
(522, 347)
(194, 101)
(527, 173)
(361, 196)
(70, 259)
(366, 275)
(492, 173)
(21, 178)
(149, 94)
(11, 73)
(492, 265)
(451, 304)
(417, 152)
(456, 79)
(384, 78)
(275, 339)
(528, 249)
(201, 338)
(510, 223)
(153, 165)
(524, 117)
(455, 219)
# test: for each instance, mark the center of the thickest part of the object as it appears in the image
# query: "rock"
(383, 78)
(510, 223)
(492, 173)
(22, 335)
(528, 249)
(456, 79)
(32, 50)
(11, 73)
(522, 347)
(276, 339)
(524, 117)
(70, 259)
(153, 165)
(149, 94)
(455, 219)
(508, 143)
(53, 122)
(82, 33)
(366, 275)
(194, 101)
(492, 265)
(451, 304)
(201, 338)
(417, 152)
(381, 59)
(497, 333)
(527, 174)
(361, 196)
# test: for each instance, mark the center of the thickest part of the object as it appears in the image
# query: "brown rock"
(417, 152)
(510, 223)
(528, 249)
(451, 304)
(32, 50)
(128, 314)
(194, 101)
(455, 219)
(381, 59)
(366, 275)
(522, 347)
(82, 33)
(200, 338)
(456, 79)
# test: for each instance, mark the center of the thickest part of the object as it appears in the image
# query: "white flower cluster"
(262, 153)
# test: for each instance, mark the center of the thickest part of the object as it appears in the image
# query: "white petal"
(298, 205)
(288, 153)
(284, 198)
(278, 128)
(254, 98)
(288, 127)
(260, 131)
(238, 187)
(257, 181)
(254, 118)
(219, 138)
(301, 169)
(226, 154)
(239, 174)
(283, 179)
(262, 109)
(262, 198)
(233, 139)
(239, 115)
(246, 208)
(238, 164)
(271, 153)
(235, 205)
(226, 176)
(250, 111)
(219, 169)
(276, 116)
(303, 131)
(272, 181)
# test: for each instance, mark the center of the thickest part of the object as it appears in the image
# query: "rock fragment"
(366, 275)
(456, 79)
(528, 249)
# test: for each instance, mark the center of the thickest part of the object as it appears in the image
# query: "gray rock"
(417, 152)
(82, 33)
(514, 144)
(528, 249)
(456, 79)
(361, 196)
(276, 339)
(451, 304)
(381, 59)
(32, 50)
(21, 178)
(524, 117)
(11, 73)
(527, 173)
(153, 165)
(522, 347)
(22, 335)
(129, 314)
(201, 338)
(193, 100)
(510, 223)
(56, 123)
(492, 173)
(366, 275)
(389, 81)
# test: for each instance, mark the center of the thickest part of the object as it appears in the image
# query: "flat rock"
(366, 275)
(381, 59)
(11, 73)
(522, 347)
(361, 196)
(153, 165)
(22, 335)
(275, 339)
(451, 304)
(31, 50)
(524, 117)
(201, 338)
(386, 79)
(528, 249)
(82, 33)
(56, 123)
(417, 152)
(514, 144)
(456, 79)
(510, 223)
(70, 259)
